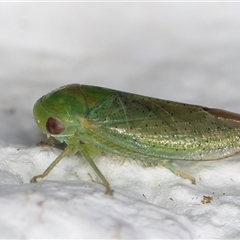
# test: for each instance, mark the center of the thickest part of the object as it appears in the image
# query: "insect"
(92, 119)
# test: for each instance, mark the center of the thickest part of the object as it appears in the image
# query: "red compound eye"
(54, 126)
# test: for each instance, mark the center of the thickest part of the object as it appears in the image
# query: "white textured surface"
(185, 52)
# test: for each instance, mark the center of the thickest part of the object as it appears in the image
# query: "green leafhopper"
(93, 119)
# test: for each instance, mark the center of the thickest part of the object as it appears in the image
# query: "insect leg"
(85, 153)
(168, 164)
(67, 151)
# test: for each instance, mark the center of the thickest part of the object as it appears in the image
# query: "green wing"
(143, 127)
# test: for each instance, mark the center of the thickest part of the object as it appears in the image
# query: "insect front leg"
(68, 150)
(178, 172)
(84, 149)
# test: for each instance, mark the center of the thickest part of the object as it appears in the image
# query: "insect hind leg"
(167, 164)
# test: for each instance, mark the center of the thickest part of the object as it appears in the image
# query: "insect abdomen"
(152, 128)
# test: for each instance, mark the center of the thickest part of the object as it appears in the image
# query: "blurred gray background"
(187, 52)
